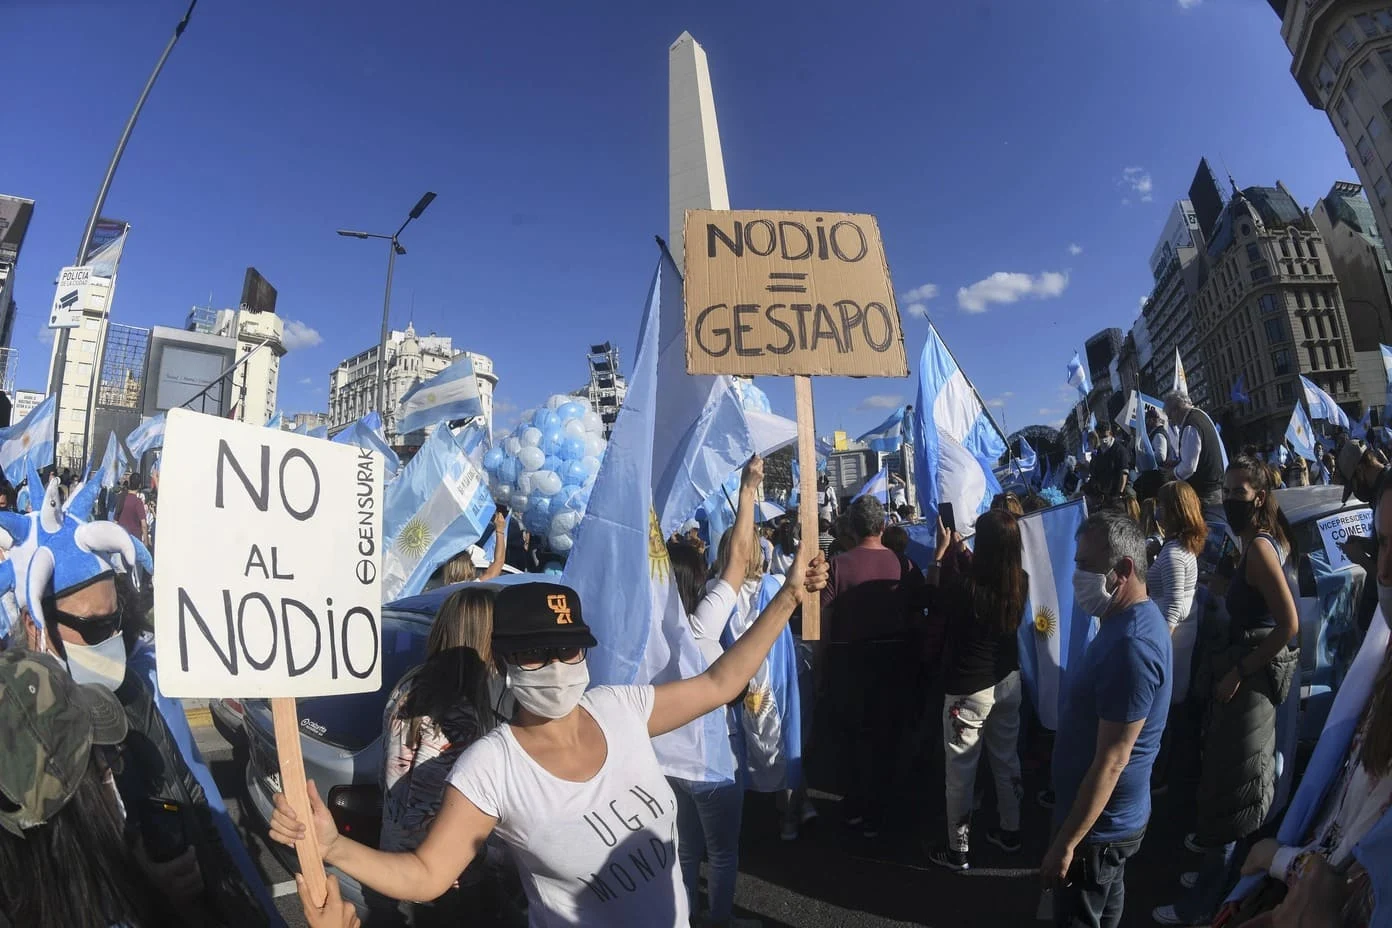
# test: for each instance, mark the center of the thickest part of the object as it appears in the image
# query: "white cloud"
(1048, 412)
(1008, 287)
(299, 335)
(916, 300)
(1189, 4)
(881, 401)
(1144, 297)
(998, 402)
(1075, 249)
(306, 380)
(45, 335)
(1137, 180)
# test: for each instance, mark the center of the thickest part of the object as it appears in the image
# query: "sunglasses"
(93, 629)
(537, 658)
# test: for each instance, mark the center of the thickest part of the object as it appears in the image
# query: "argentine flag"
(1136, 402)
(31, 437)
(275, 421)
(436, 508)
(1027, 464)
(958, 443)
(1141, 448)
(1078, 376)
(450, 395)
(366, 433)
(1322, 405)
(1053, 632)
(1181, 382)
(620, 569)
(877, 486)
(146, 436)
(888, 436)
(1301, 434)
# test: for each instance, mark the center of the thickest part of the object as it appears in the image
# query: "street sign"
(70, 298)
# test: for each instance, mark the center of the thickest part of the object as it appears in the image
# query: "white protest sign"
(1336, 530)
(70, 298)
(268, 579)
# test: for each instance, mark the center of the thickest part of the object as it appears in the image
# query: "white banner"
(268, 581)
(70, 298)
(1336, 530)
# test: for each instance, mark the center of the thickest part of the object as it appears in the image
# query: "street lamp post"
(394, 248)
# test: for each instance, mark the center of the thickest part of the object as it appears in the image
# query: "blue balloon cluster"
(545, 469)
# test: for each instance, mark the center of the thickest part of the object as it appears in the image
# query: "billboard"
(1181, 231)
(258, 296)
(181, 364)
(14, 222)
(104, 252)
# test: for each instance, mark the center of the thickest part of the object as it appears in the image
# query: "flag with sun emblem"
(620, 569)
(435, 508)
(450, 395)
(31, 439)
(1053, 633)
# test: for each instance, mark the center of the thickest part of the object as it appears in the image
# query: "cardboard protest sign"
(268, 580)
(776, 292)
(1336, 529)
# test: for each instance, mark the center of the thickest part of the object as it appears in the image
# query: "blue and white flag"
(1322, 405)
(1301, 434)
(114, 462)
(367, 434)
(31, 437)
(958, 441)
(771, 713)
(450, 395)
(1387, 370)
(146, 436)
(826, 447)
(1141, 448)
(1365, 423)
(1027, 464)
(620, 569)
(1374, 850)
(1054, 632)
(1078, 376)
(1239, 390)
(888, 436)
(276, 421)
(437, 507)
(1136, 401)
(877, 486)
(706, 428)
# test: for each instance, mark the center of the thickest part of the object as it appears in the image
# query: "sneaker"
(1045, 797)
(1191, 843)
(1008, 841)
(1166, 915)
(1189, 880)
(788, 831)
(809, 811)
(949, 859)
(871, 830)
(855, 821)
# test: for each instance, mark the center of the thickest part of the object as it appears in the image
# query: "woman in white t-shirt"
(572, 783)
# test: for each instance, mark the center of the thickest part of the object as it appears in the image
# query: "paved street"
(833, 878)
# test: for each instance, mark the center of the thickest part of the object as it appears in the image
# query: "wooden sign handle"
(808, 504)
(292, 783)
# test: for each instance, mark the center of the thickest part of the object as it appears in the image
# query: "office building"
(1168, 312)
(201, 319)
(15, 213)
(1269, 309)
(120, 397)
(260, 346)
(304, 421)
(1360, 261)
(410, 359)
(1341, 57)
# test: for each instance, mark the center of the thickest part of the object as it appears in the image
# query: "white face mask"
(103, 664)
(1385, 601)
(551, 692)
(1090, 592)
(1107, 442)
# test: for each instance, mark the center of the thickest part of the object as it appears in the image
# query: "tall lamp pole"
(55, 385)
(393, 249)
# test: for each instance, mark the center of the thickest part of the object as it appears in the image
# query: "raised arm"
(677, 703)
(456, 837)
(742, 540)
(495, 569)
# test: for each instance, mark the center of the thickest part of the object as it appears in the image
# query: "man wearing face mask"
(1111, 466)
(92, 627)
(1114, 707)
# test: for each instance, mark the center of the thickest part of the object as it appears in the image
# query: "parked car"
(341, 736)
(227, 719)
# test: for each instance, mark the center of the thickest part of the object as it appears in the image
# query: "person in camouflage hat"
(48, 727)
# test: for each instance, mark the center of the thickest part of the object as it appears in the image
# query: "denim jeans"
(1096, 887)
(1219, 870)
(708, 824)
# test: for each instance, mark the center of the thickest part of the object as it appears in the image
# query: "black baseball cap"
(538, 615)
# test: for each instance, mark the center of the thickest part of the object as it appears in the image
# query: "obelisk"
(695, 166)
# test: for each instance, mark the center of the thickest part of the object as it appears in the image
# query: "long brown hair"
(1268, 517)
(1183, 516)
(999, 582)
(458, 660)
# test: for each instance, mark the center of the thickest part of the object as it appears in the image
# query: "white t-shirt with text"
(598, 853)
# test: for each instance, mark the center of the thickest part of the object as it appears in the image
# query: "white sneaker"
(1191, 843)
(1187, 880)
(1166, 915)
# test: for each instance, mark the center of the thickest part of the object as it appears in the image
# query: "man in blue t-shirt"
(1115, 702)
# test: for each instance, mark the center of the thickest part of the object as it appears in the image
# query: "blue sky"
(1040, 142)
